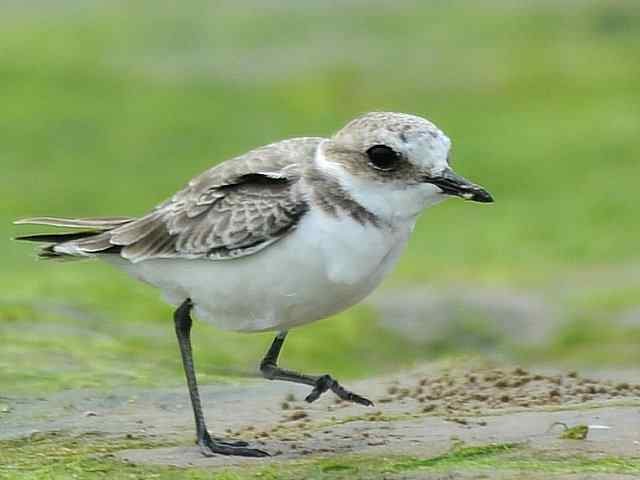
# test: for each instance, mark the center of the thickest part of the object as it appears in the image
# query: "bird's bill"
(453, 184)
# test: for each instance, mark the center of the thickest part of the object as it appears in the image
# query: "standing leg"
(208, 445)
(322, 383)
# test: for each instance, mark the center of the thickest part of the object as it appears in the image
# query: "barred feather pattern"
(231, 210)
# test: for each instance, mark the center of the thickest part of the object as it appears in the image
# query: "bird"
(281, 236)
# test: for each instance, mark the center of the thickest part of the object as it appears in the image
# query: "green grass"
(91, 348)
(55, 456)
(107, 108)
(514, 457)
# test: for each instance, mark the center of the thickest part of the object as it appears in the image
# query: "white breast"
(324, 266)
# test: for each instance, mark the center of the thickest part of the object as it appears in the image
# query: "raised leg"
(208, 445)
(321, 383)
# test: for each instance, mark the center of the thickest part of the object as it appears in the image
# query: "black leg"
(208, 445)
(322, 383)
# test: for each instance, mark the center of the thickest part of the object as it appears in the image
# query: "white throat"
(392, 202)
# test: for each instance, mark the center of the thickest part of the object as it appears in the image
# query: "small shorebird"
(283, 235)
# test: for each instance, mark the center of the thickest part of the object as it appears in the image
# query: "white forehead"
(420, 140)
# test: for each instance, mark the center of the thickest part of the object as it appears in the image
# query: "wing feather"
(234, 209)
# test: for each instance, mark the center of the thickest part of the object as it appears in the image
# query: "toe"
(210, 448)
(231, 442)
(361, 400)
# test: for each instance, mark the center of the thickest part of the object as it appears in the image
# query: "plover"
(284, 235)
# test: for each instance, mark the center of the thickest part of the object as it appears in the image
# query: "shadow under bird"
(284, 235)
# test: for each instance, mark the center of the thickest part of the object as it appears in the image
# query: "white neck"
(392, 202)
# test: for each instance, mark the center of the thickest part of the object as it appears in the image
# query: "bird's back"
(233, 209)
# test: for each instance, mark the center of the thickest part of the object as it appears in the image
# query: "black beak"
(453, 184)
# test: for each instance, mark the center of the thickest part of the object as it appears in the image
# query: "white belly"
(324, 266)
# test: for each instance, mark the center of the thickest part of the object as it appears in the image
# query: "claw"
(326, 382)
(211, 447)
(231, 442)
(360, 400)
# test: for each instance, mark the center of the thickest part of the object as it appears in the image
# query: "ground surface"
(464, 420)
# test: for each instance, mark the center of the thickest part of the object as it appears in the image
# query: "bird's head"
(395, 164)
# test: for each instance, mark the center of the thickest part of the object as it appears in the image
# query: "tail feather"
(99, 243)
(63, 246)
(98, 223)
(55, 237)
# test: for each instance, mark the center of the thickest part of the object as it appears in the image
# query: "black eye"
(382, 157)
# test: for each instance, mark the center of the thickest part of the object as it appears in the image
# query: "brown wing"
(225, 222)
(232, 210)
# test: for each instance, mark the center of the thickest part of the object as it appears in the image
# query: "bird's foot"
(326, 383)
(231, 442)
(211, 447)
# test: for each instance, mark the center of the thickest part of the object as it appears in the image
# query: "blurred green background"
(108, 108)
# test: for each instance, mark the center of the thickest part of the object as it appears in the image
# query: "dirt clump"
(475, 391)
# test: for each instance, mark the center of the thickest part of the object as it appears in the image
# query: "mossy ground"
(90, 457)
(332, 440)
